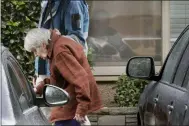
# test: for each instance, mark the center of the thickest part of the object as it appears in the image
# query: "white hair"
(35, 37)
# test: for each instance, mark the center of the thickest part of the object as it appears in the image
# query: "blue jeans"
(71, 122)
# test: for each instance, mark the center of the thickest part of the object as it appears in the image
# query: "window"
(179, 14)
(14, 81)
(182, 68)
(22, 79)
(122, 29)
(17, 89)
(174, 58)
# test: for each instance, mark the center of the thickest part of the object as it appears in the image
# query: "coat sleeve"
(75, 74)
(76, 19)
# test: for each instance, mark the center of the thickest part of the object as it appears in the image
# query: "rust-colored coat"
(69, 65)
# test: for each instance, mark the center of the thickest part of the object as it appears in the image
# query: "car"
(19, 104)
(165, 100)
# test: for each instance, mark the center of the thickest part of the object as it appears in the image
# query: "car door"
(185, 113)
(30, 114)
(161, 97)
(180, 105)
(170, 83)
(180, 115)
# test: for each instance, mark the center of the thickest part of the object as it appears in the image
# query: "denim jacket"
(70, 17)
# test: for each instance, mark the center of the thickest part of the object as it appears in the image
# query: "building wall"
(107, 91)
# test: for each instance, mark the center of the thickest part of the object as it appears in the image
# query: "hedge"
(18, 16)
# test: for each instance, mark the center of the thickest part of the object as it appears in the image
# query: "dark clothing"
(71, 122)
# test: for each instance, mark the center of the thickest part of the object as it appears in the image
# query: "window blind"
(179, 18)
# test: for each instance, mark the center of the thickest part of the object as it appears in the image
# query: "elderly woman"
(69, 70)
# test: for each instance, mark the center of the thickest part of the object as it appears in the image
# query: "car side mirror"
(55, 96)
(141, 67)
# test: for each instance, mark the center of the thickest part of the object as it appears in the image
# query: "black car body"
(19, 104)
(165, 100)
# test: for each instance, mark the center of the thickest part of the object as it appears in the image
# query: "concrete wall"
(107, 91)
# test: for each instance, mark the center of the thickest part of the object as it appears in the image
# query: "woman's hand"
(79, 118)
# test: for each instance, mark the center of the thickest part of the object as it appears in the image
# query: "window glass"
(23, 82)
(122, 29)
(175, 57)
(15, 83)
(182, 68)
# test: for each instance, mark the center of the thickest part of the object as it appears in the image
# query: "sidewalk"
(113, 116)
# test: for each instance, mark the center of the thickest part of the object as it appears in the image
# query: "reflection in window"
(22, 78)
(14, 82)
(122, 29)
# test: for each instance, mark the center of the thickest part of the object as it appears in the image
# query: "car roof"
(4, 51)
(3, 48)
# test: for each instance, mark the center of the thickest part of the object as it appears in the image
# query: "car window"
(174, 58)
(17, 90)
(182, 68)
(23, 81)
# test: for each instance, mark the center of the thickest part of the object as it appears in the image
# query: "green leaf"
(11, 23)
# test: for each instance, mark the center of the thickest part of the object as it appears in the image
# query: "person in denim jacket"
(70, 17)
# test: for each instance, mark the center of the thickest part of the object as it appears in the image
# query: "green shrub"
(128, 91)
(18, 16)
